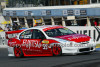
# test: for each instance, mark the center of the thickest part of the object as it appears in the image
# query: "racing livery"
(48, 40)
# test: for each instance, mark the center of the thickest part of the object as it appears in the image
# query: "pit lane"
(92, 60)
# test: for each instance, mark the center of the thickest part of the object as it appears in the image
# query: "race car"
(48, 40)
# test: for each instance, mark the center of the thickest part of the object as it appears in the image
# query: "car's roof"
(47, 27)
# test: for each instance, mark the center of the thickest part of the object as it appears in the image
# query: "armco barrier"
(3, 40)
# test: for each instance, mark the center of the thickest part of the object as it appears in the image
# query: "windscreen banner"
(92, 31)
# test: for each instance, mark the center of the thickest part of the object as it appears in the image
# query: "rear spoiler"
(12, 32)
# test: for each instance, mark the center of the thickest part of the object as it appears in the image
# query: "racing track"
(92, 60)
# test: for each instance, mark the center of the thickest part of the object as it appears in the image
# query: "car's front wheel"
(18, 52)
(56, 50)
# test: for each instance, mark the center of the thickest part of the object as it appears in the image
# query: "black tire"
(18, 52)
(56, 50)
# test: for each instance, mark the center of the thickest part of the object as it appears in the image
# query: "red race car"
(48, 41)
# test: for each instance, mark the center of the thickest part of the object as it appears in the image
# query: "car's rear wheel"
(56, 50)
(18, 52)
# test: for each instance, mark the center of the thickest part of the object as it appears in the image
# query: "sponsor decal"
(45, 41)
(70, 12)
(83, 12)
(74, 12)
(66, 28)
(77, 12)
(75, 37)
(31, 43)
(48, 12)
(45, 47)
(65, 12)
(12, 43)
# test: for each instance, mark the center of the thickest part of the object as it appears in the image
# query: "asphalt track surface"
(91, 60)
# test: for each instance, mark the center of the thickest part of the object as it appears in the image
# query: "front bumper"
(77, 50)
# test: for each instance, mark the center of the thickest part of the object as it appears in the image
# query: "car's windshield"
(59, 32)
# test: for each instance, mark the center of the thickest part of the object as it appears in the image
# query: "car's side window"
(37, 34)
(51, 32)
(26, 34)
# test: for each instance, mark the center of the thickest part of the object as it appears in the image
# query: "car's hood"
(75, 37)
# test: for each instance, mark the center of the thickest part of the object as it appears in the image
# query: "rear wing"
(12, 34)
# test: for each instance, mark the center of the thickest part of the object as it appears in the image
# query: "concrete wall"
(2, 20)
